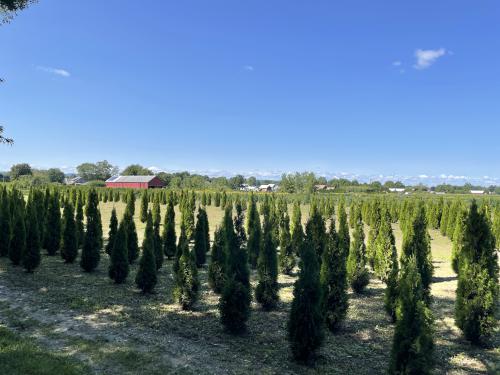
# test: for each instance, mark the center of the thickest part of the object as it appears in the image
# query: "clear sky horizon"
(364, 87)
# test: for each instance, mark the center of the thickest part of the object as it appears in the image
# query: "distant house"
(246, 187)
(320, 187)
(77, 180)
(134, 182)
(397, 190)
(477, 191)
(268, 188)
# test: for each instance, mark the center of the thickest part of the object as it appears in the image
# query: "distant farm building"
(76, 181)
(246, 187)
(134, 182)
(268, 188)
(477, 191)
(323, 187)
(397, 190)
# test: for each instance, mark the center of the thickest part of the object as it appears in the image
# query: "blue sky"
(367, 87)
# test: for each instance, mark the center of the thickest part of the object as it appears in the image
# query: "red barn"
(134, 182)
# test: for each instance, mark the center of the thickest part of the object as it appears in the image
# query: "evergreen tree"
(91, 251)
(17, 244)
(216, 268)
(200, 241)
(69, 243)
(158, 243)
(333, 279)
(478, 288)
(416, 242)
(146, 275)
(316, 231)
(5, 222)
(296, 229)
(187, 283)
(132, 240)
(357, 273)
(458, 238)
(119, 264)
(391, 293)
(113, 229)
(287, 257)
(234, 304)
(412, 346)
(305, 324)
(144, 206)
(254, 233)
(130, 199)
(169, 236)
(375, 221)
(385, 248)
(444, 218)
(496, 226)
(30, 258)
(80, 228)
(266, 292)
(343, 233)
(52, 237)
(239, 226)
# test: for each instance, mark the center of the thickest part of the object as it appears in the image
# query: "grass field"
(106, 328)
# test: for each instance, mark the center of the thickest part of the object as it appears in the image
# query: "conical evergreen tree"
(186, 279)
(146, 275)
(169, 236)
(496, 226)
(5, 222)
(305, 324)
(113, 229)
(296, 229)
(17, 244)
(69, 243)
(200, 241)
(287, 255)
(266, 292)
(316, 231)
(375, 221)
(333, 279)
(130, 200)
(239, 227)
(477, 293)
(234, 304)
(458, 238)
(132, 240)
(30, 258)
(444, 218)
(156, 233)
(216, 268)
(357, 273)
(119, 264)
(412, 346)
(144, 206)
(254, 232)
(52, 232)
(91, 251)
(385, 248)
(392, 290)
(416, 242)
(80, 228)
(343, 233)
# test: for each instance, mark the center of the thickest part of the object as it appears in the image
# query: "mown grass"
(21, 356)
(126, 332)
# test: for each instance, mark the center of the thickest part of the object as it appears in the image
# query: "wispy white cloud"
(56, 71)
(427, 57)
(397, 63)
(248, 68)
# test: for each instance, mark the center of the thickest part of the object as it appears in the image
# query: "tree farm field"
(99, 327)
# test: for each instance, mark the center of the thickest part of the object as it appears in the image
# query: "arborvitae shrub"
(91, 251)
(69, 243)
(315, 231)
(52, 233)
(80, 228)
(132, 241)
(216, 268)
(158, 248)
(333, 279)
(5, 222)
(30, 258)
(296, 229)
(357, 273)
(239, 224)
(266, 292)
(200, 241)
(458, 238)
(412, 346)
(392, 289)
(305, 324)
(375, 221)
(254, 233)
(18, 240)
(287, 256)
(144, 206)
(146, 277)
(343, 232)
(119, 264)
(385, 248)
(186, 278)
(113, 228)
(169, 236)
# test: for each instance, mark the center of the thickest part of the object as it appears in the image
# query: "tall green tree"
(92, 243)
(305, 324)
(357, 273)
(158, 249)
(200, 240)
(496, 226)
(287, 255)
(343, 232)
(239, 224)
(146, 277)
(234, 304)
(316, 231)
(52, 232)
(296, 229)
(69, 243)
(18, 239)
(375, 222)
(144, 206)
(5, 222)
(266, 292)
(80, 227)
(169, 236)
(113, 229)
(385, 248)
(254, 232)
(119, 264)
(333, 279)
(416, 242)
(132, 240)
(412, 345)
(186, 279)
(30, 258)
(477, 292)
(217, 266)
